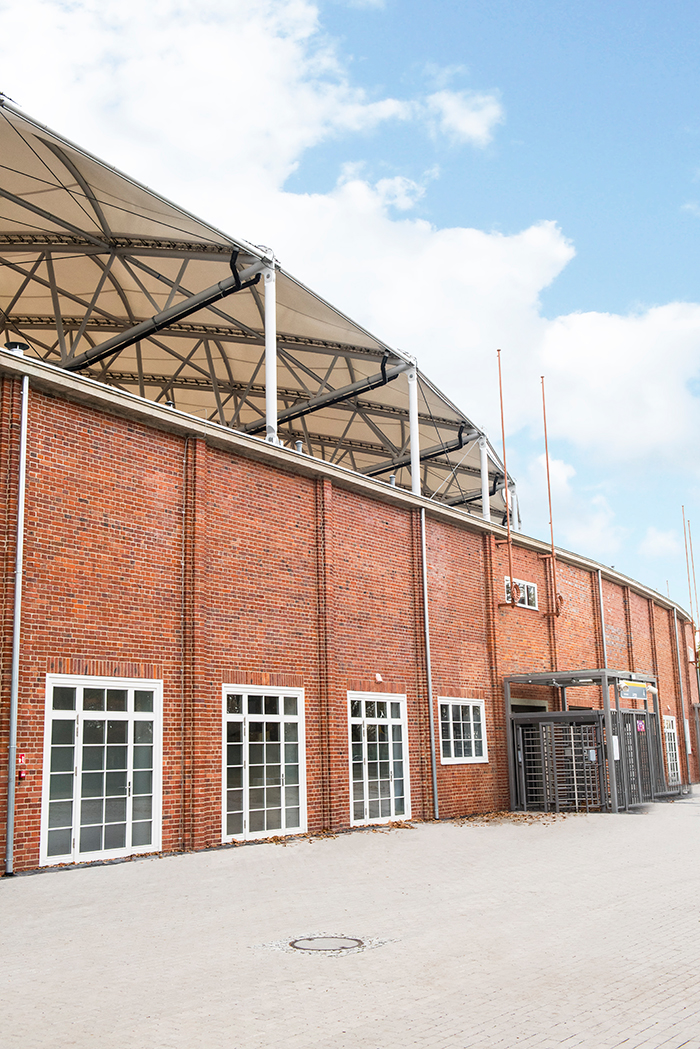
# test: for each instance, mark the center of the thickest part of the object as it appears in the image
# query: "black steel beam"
(433, 452)
(236, 282)
(324, 400)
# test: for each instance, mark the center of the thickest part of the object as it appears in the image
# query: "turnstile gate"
(561, 763)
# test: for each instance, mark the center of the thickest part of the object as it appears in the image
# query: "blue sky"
(457, 176)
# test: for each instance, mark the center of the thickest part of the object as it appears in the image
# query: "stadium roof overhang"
(102, 276)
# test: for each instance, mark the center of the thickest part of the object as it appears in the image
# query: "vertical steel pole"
(622, 744)
(270, 280)
(609, 749)
(484, 467)
(428, 669)
(414, 430)
(511, 751)
(16, 634)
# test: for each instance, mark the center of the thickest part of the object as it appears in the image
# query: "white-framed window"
(462, 731)
(527, 592)
(264, 763)
(102, 783)
(379, 779)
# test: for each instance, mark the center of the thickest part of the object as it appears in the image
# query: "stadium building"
(260, 576)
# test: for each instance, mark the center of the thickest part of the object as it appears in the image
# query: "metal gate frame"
(628, 746)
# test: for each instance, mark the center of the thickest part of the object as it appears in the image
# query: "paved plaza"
(575, 931)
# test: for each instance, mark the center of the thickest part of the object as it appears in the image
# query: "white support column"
(484, 463)
(269, 279)
(414, 430)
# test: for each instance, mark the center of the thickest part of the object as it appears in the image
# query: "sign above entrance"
(633, 690)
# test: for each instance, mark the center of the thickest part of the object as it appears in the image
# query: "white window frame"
(388, 697)
(673, 757)
(457, 701)
(246, 690)
(89, 681)
(526, 590)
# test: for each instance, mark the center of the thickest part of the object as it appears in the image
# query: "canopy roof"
(86, 253)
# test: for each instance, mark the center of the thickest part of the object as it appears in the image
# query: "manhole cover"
(326, 943)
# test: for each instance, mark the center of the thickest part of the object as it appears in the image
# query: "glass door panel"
(101, 784)
(377, 759)
(263, 770)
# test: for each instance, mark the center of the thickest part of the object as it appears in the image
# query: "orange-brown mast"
(505, 471)
(557, 609)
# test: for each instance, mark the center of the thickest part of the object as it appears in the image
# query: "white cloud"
(466, 116)
(657, 543)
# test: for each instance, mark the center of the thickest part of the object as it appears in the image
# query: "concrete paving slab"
(583, 930)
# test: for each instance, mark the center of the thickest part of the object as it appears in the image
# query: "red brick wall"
(157, 555)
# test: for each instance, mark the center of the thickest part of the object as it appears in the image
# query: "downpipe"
(16, 630)
(428, 671)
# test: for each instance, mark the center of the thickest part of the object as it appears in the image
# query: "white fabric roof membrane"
(86, 253)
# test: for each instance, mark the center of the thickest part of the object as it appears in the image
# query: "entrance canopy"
(102, 276)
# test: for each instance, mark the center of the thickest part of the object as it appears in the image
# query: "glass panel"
(273, 774)
(256, 798)
(93, 732)
(93, 699)
(116, 699)
(61, 814)
(291, 753)
(478, 749)
(291, 774)
(116, 757)
(255, 705)
(373, 788)
(358, 790)
(63, 732)
(274, 819)
(143, 757)
(444, 712)
(399, 806)
(371, 733)
(256, 753)
(357, 752)
(256, 730)
(59, 841)
(272, 705)
(357, 770)
(63, 698)
(446, 749)
(143, 783)
(234, 777)
(143, 732)
(141, 834)
(92, 785)
(292, 818)
(291, 796)
(356, 733)
(370, 708)
(234, 704)
(234, 823)
(273, 797)
(458, 748)
(386, 806)
(383, 751)
(93, 758)
(272, 731)
(91, 839)
(115, 809)
(373, 770)
(383, 733)
(234, 731)
(355, 708)
(396, 732)
(234, 754)
(290, 706)
(116, 731)
(398, 769)
(358, 810)
(61, 759)
(256, 775)
(91, 812)
(396, 711)
(373, 752)
(374, 810)
(142, 809)
(291, 732)
(398, 751)
(381, 710)
(234, 800)
(116, 783)
(143, 701)
(115, 835)
(257, 820)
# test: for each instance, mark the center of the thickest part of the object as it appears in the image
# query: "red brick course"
(153, 554)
